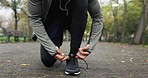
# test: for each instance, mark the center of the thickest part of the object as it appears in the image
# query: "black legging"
(57, 21)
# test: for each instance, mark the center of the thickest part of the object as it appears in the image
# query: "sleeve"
(35, 21)
(94, 9)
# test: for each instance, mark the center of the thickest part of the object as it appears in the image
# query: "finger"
(80, 56)
(65, 58)
(80, 49)
(59, 51)
(77, 56)
(84, 53)
(86, 47)
(59, 57)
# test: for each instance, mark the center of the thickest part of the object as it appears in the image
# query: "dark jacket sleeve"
(94, 9)
(35, 20)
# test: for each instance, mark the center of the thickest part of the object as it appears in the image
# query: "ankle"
(72, 55)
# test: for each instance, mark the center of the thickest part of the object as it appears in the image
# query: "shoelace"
(58, 65)
(80, 67)
(55, 67)
(85, 63)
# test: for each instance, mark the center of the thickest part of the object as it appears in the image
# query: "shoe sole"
(68, 73)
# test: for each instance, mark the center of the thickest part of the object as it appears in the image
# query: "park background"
(125, 21)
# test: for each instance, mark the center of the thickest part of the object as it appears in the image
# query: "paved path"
(22, 60)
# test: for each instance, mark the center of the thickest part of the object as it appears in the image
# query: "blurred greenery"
(3, 39)
(122, 23)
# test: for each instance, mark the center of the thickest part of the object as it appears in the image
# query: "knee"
(48, 62)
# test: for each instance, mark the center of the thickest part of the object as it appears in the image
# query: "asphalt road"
(108, 60)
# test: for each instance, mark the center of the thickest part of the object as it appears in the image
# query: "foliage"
(19, 8)
(4, 3)
(3, 39)
(88, 26)
(133, 15)
(108, 18)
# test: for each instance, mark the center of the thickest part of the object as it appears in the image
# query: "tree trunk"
(115, 14)
(16, 16)
(29, 32)
(141, 27)
(124, 21)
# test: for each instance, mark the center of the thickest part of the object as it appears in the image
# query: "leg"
(54, 31)
(78, 17)
(54, 28)
(46, 58)
(78, 24)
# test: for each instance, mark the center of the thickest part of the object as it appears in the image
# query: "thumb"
(86, 47)
(59, 51)
(80, 56)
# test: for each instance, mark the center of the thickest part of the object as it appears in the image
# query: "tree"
(16, 15)
(88, 27)
(108, 22)
(24, 10)
(20, 12)
(141, 27)
(3, 29)
(4, 3)
(115, 5)
(124, 21)
(121, 20)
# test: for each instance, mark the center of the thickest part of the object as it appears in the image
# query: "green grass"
(3, 39)
(146, 45)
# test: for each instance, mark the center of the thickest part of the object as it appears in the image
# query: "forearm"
(42, 36)
(97, 23)
(35, 14)
(95, 34)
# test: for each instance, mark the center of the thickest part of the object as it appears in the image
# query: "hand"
(82, 52)
(60, 55)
